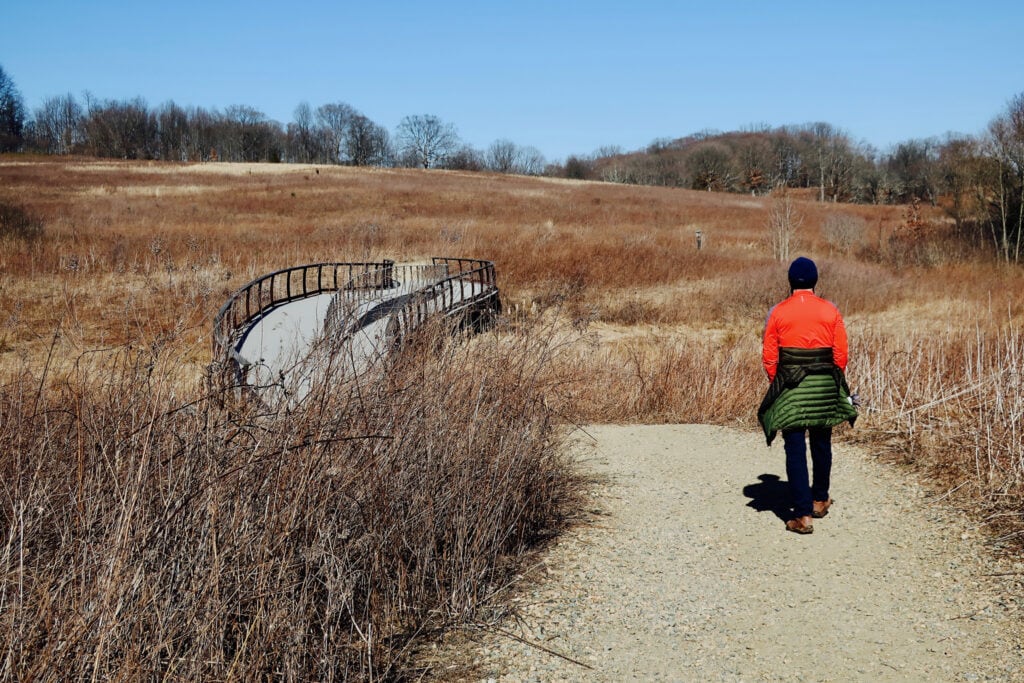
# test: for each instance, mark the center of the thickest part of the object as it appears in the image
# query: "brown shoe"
(821, 508)
(801, 525)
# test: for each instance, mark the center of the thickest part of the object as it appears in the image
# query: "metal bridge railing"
(264, 293)
(366, 293)
(469, 282)
(416, 292)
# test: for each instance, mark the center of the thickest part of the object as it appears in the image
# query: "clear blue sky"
(566, 76)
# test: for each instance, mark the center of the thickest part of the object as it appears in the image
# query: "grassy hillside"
(146, 252)
(613, 314)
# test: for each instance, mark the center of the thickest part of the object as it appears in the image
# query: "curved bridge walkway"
(280, 332)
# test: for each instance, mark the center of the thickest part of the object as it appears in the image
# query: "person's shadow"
(770, 495)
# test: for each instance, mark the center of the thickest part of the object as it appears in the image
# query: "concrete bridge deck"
(289, 335)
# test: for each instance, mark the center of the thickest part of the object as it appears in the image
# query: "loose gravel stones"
(685, 573)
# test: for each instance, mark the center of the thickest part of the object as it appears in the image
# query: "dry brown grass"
(149, 531)
(144, 253)
(187, 235)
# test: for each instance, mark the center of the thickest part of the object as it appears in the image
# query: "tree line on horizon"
(334, 133)
(979, 178)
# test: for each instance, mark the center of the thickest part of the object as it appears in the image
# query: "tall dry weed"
(658, 379)
(951, 403)
(149, 532)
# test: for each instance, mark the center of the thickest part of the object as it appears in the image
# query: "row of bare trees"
(978, 180)
(816, 156)
(334, 133)
(129, 129)
(759, 160)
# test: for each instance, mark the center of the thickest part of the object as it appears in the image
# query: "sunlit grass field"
(612, 314)
(144, 253)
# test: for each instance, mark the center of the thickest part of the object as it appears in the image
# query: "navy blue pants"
(804, 492)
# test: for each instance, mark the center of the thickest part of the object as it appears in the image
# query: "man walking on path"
(804, 353)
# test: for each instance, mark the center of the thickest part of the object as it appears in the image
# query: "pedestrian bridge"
(282, 332)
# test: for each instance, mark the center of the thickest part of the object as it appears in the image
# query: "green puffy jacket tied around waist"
(809, 390)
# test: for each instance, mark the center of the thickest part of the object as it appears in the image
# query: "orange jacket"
(803, 321)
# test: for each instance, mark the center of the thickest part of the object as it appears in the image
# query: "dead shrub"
(18, 223)
(629, 312)
(653, 380)
(844, 232)
(858, 288)
(146, 532)
(951, 405)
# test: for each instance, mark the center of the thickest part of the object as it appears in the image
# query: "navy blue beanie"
(803, 274)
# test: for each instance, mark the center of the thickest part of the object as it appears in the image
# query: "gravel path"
(686, 574)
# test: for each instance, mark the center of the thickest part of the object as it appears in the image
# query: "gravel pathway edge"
(685, 573)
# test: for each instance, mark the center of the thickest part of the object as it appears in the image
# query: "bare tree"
(958, 159)
(124, 129)
(58, 125)
(425, 140)
(352, 138)
(870, 179)
(304, 142)
(786, 161)
(579, 168)
(784, 221)
(175, 133)
(532, 161)
(753, 157)
(914, 170)
(1003, 193)
(250, 136)
(365, 143)
(843, 231)
(12, 115)
(659, 145)
(503, 156)
(335, 119)
(208, 133)
(667, 168)
(710, 168)
(833, 161)
(465, 158)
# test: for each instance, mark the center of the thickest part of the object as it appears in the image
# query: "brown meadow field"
(612, 314)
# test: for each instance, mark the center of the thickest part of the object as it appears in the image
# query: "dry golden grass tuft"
(104, 336)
